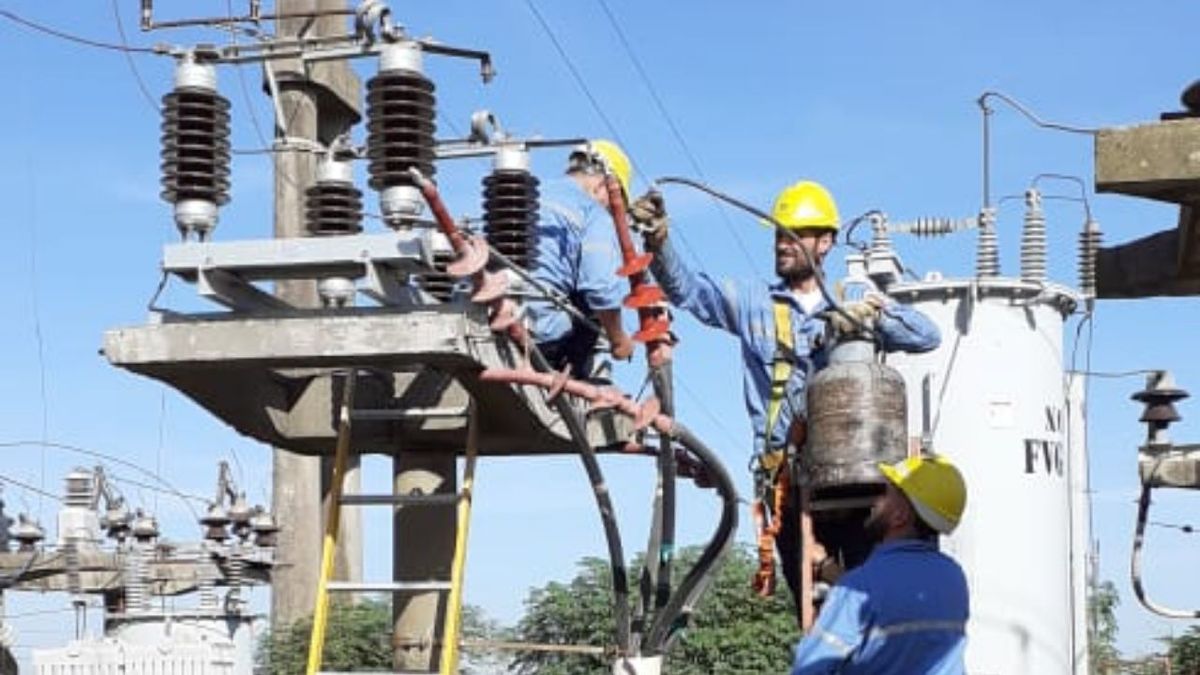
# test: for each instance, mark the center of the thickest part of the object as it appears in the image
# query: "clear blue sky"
(877, 102)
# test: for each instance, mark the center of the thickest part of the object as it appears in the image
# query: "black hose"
(612, 535)
(779, 227)
(664, 389)
(666, 623)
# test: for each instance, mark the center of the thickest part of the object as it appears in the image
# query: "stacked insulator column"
(333, 205)
(1089, 244)
(1033, 239)
(987, 258)
(510, 207)
(195, 152)
(400, 131)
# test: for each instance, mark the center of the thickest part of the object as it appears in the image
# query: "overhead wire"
(676, 133)
(171, 489)
(137, 75)
(41, 492)
(42, 28)
(581, 83)
(39, 338)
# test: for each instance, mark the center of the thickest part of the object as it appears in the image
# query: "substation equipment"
(418, 346)
(999, 400)
(168, 606)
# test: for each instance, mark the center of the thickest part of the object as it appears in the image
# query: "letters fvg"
(1044, 455)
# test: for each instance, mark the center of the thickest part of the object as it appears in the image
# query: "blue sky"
(876, 100)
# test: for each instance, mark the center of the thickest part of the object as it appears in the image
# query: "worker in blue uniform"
(780, 326)
(577, 258)
(903, 611)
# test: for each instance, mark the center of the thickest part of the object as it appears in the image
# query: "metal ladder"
(325, 584)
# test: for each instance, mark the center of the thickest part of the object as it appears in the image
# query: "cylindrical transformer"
(992, 399)
(195, 148)
(857, 418)
(333, 205)
(510, 207)
(400, 131)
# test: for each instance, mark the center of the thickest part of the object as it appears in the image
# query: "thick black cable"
(608, 518)
(15, 18)
(667, 623)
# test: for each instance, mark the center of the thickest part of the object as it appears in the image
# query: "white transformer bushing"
(994, 398)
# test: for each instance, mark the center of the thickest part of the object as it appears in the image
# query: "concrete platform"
(274, 377)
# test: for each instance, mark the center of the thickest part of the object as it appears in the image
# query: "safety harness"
(772, 478)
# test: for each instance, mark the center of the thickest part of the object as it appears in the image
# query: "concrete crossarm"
(102, 571)
(271, 376)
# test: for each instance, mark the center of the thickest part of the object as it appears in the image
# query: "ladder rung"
(372, 414)
(401, 500)
(386, 586)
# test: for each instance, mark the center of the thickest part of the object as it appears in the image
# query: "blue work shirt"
(577, 257)
(746, 309)
(902, 612)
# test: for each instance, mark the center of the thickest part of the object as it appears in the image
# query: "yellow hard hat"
(934, 487)
(602, 155)
(806, 204)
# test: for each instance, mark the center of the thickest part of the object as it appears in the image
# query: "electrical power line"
(111, 458)
(675, 131)
(4, 478)
(15, 18)
(37, 321)
(137, 75)
(599, 110)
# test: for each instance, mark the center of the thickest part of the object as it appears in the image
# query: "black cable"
(608, 518)
(816, 269)
(675, 132)
(74, 38)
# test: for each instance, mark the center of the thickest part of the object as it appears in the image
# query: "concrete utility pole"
(317, 103)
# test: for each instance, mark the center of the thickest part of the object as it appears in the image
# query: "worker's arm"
(711, 302)
(610, 321)
(838, 632)
(901, 327)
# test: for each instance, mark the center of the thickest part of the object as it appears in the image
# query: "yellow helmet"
(806, 204)
(934, 487)
(602, 155)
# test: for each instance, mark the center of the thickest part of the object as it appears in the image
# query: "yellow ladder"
(325, 584)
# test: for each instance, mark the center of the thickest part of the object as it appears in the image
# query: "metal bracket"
(227, 289)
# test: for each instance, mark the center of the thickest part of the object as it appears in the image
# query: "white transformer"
(995, 399)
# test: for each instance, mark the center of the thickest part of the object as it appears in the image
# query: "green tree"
(1183, 652)
(1102, 628)
(731, 631)
(359, 637)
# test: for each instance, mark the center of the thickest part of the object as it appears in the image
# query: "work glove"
(865, 312)
(649, 212)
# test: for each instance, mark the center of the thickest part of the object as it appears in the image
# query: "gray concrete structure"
(317, 102)
(1160, 161)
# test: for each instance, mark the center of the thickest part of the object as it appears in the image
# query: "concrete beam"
(1159, 160)
(104, 571)
(272, 378)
